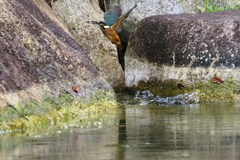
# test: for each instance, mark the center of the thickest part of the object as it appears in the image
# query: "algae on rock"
(36, 116)
(207, 92)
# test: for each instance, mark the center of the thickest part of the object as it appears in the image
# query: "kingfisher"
(112, 21)
(109, 27)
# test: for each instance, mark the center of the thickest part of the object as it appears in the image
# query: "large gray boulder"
(39, 57)
(184, 47)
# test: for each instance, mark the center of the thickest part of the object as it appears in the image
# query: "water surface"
(139, 132)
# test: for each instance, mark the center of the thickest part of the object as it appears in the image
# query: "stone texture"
(74, 14)
(189, 47)
(39, 57)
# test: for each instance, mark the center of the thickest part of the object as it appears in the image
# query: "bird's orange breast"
(111, 35)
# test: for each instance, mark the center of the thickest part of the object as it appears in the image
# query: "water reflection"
(207, 131)
(150, 132)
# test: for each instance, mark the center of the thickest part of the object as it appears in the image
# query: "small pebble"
(37, 136)
(73, 125)
(126, 146)
(64, 127)
(185, 154)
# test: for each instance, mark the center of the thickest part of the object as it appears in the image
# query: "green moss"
(227, 91)
(214, 5)
(36, 116)
(166, 88)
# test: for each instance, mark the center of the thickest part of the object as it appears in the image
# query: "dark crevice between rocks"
(49, 2)
(121, 54)
(103, 5)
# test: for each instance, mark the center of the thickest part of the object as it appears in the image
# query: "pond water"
(139, 132)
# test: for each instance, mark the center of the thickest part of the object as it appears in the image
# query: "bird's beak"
(92, 22)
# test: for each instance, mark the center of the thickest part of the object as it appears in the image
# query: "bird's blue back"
(111, 16)
(110, 19)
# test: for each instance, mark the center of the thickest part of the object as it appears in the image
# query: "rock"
(189, 47)
(74, 14)
(39, 57)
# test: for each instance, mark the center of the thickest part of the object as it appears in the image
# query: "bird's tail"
(119, 46)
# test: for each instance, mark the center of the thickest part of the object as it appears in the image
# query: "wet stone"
(146, 97)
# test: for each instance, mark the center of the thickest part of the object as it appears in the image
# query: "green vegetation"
(207, 92)
(227, 91)
(63, 110)
(166, 88)
(214, 5)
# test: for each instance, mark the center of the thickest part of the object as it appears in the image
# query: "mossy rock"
(209, 91)
(227, 91)
(35, 116)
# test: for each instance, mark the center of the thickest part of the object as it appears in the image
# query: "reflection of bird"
(112, 22)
